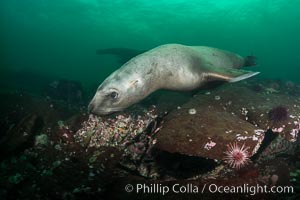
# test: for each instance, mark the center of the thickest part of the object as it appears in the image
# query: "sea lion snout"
(94, 108)
(91, 107)
(104, 104)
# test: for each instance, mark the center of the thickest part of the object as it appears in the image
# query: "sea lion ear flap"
(133, 83)
(228, 74)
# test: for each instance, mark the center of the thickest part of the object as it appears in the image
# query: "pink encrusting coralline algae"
(236, 156)
(124, 132)
(116, 131)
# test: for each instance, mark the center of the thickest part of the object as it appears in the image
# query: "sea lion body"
(172, 67)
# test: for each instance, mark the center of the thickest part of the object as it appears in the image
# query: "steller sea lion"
(171, 66)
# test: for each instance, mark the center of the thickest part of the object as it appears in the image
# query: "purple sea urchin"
(236, 157)
(277, 114)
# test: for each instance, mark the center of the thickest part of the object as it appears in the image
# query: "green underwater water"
(50, 148)
(59, 38)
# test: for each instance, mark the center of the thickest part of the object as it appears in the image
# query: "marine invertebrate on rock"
(41, 140)
(128, 133)
(209, 145)
(278, 113)
(192, 111)
(236, 156)
(217, 98)
(118, 131)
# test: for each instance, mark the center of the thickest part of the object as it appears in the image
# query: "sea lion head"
(119, 91)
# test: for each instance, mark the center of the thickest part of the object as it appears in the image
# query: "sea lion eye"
(114, 95)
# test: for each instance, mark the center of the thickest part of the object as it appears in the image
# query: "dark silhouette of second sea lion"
(123, 54)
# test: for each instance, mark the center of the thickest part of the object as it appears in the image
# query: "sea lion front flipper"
(228, 74)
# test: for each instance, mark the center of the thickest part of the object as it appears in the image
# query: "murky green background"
(59, 38)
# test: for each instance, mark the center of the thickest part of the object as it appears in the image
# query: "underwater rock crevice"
(180, 166)
(21, 136)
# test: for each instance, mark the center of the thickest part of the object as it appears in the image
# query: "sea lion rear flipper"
(228, 74)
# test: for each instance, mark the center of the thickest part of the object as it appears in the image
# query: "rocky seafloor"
(50, 150)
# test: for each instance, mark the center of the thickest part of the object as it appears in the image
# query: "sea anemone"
(278, 114)
(236, 157)
(192, 111)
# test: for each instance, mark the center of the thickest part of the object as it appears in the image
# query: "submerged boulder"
(20, 135)
(206, 133)
(234, 114)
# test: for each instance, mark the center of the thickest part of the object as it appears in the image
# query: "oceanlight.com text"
(206, 188)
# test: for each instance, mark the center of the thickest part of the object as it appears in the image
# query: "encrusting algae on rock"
(132, 135)
(113, 132)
